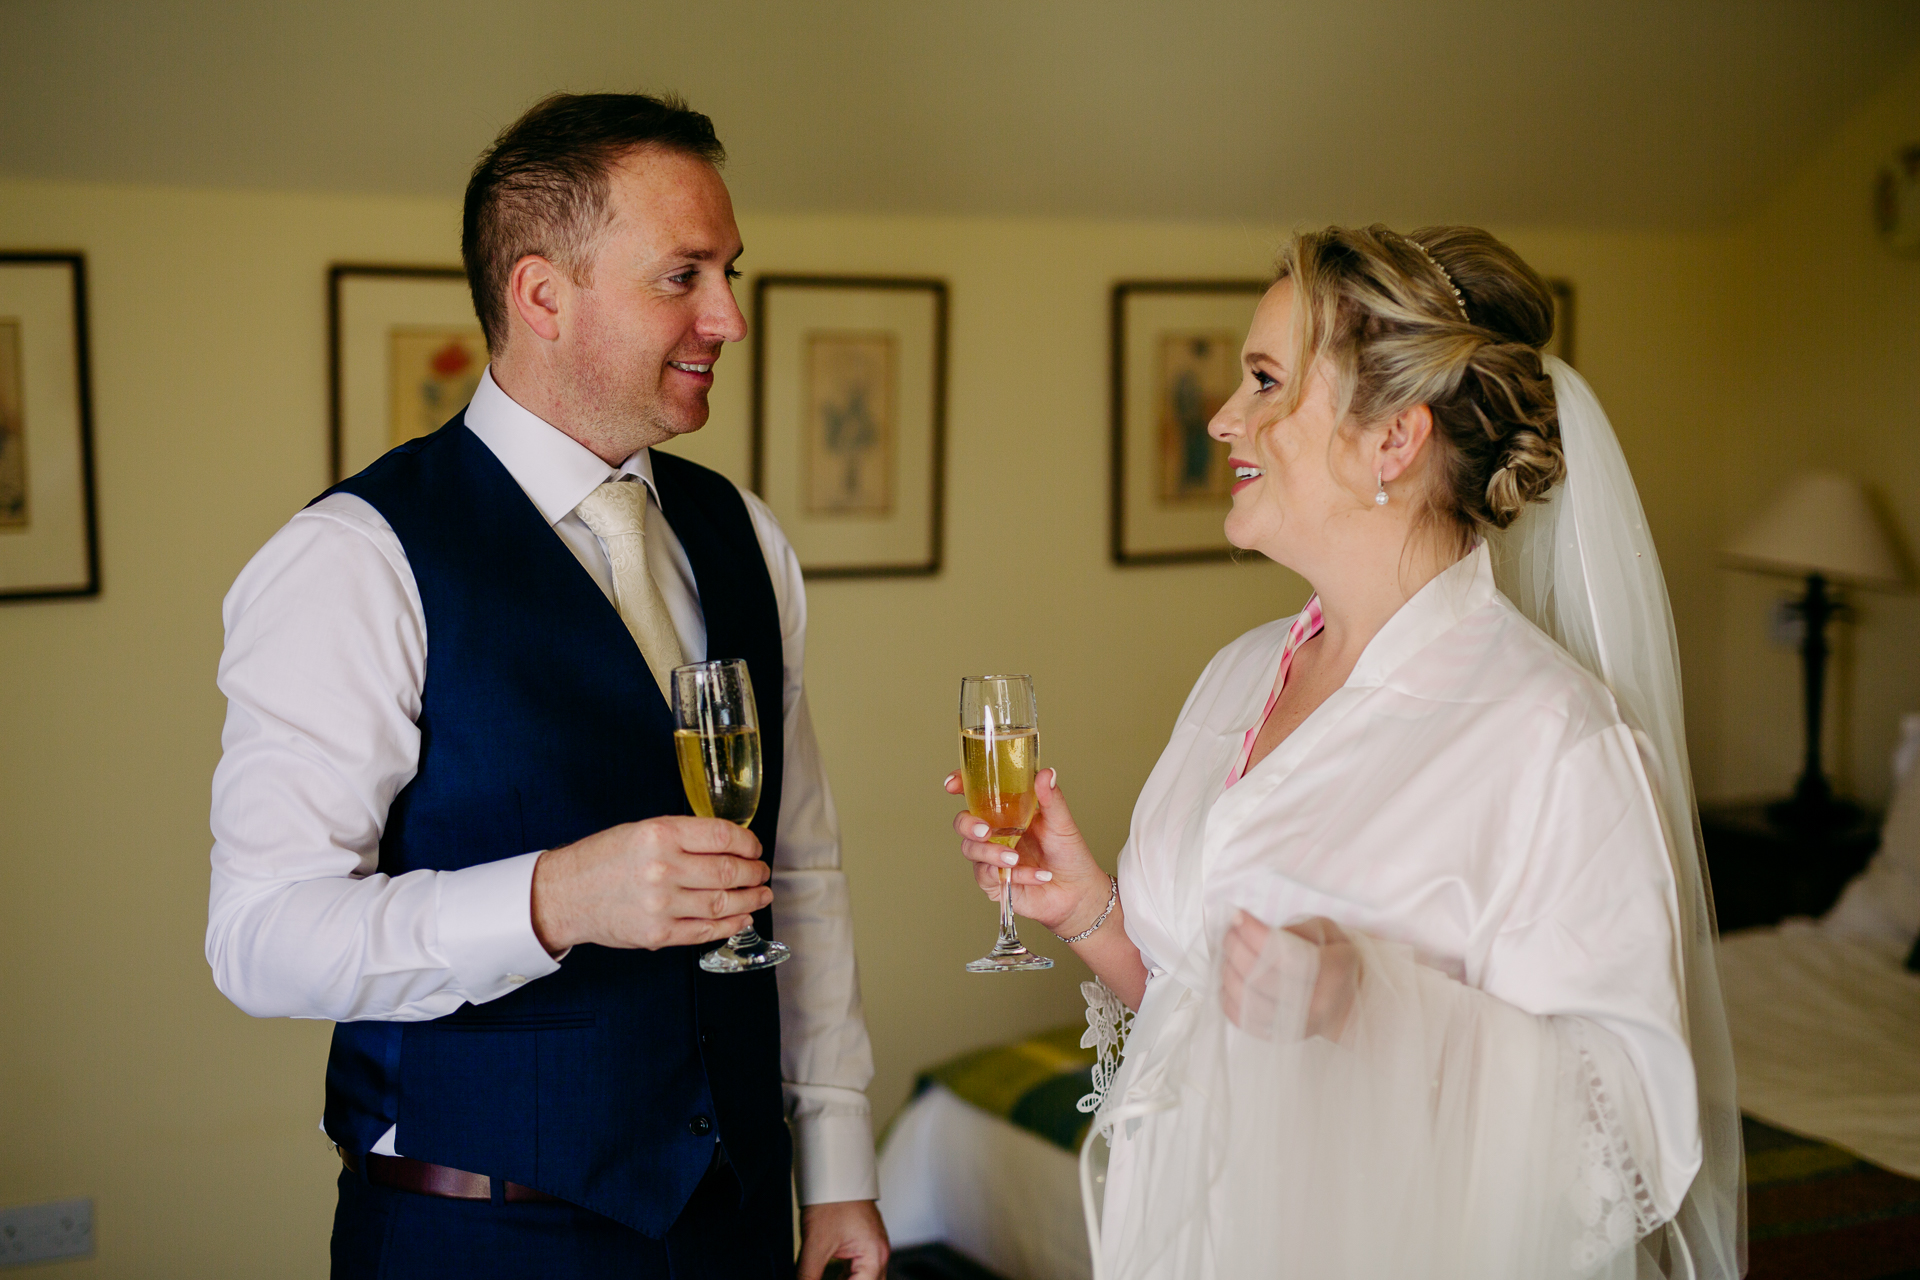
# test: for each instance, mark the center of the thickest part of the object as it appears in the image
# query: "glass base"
(736, 955)
(1008, 960)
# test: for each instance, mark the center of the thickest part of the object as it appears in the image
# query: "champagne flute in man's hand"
(717, 737)
(999, 756)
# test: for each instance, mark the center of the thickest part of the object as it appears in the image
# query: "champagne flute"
(716, 734)
(999, 755)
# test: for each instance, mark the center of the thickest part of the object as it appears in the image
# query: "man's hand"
(849, 1229)
(665, 882)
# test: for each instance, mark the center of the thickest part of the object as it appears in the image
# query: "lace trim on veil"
(1108, 1021)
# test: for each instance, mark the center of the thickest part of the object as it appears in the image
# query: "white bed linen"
(1825, 1018)
(1826, 1038)
(951, 1173)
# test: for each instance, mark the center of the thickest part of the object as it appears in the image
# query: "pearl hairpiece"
(1453, 288)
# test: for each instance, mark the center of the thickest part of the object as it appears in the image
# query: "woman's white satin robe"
(1471, 803)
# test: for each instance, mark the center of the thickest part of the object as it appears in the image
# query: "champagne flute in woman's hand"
(999, 755)
(716, 733)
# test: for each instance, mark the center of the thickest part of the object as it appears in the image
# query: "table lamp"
(1821, 528)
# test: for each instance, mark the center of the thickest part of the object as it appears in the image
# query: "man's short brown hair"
(542, 186)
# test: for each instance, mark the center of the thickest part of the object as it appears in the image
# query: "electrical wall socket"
(40, 1232)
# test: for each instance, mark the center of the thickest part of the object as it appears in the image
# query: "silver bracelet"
(1093, 928)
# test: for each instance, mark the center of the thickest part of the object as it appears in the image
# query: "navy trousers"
(383, 1234)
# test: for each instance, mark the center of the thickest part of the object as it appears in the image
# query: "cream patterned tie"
(617, 514)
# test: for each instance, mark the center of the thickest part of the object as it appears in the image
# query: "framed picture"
(1176, 359)
(48, 546)
(849, 419)
(406, 351)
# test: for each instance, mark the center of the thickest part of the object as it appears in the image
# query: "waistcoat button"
(699, 1126)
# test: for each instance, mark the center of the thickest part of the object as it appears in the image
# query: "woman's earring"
(1380, 493)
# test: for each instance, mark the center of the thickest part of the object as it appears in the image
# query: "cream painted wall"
(123, 1073)
(1825, 330)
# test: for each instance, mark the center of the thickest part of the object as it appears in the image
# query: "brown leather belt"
(421, 1178)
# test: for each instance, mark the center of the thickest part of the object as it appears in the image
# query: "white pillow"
(1881, 905)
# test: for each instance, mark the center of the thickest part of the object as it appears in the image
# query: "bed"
(1825, 1017)
(984, 1159)
(1826, 1038)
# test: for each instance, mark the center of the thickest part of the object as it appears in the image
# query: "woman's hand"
(1055, 878)
(1289, 984)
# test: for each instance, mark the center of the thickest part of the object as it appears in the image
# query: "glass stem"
(1009, 936)
(748, 939)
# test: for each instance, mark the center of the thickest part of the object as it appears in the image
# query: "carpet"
(935, 1262)
(1816, 1212)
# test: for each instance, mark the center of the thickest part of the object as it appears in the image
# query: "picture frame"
(405, 352)
(849, 420)
(49, 543)
(1175, 359)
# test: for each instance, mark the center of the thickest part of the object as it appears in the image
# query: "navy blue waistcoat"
(605, 1083)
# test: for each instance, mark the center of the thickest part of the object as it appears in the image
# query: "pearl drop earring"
(1380, 492)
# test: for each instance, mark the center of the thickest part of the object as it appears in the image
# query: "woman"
(1411, 909)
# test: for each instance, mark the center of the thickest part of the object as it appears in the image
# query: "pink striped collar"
(1305, 627)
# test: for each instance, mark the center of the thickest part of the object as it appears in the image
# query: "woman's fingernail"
(1053, 778)
(1043, 875)
(979, 831)
(1011, 859)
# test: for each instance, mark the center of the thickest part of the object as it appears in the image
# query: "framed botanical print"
(1176, 359)
(406, 351)
(849, 419)
(48, 546)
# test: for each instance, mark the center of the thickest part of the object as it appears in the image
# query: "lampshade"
(1821, 523)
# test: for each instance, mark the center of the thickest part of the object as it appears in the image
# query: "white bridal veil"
(1448, 1135)
(1582, 567)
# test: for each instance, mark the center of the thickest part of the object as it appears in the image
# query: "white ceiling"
(1544, 112)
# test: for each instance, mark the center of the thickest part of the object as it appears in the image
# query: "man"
(447, 815)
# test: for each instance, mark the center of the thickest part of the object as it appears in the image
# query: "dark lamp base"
(1811, 814)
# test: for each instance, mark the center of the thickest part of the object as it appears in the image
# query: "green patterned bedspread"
(1035, 1083)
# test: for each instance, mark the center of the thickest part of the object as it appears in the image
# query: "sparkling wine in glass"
(999, 755)
(716, 734)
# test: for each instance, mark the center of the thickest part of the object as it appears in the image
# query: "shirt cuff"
(833, 1158)
(486, 928)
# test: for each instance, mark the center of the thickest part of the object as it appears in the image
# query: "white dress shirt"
(325, 659)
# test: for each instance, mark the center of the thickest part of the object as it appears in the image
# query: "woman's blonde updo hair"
(1380, 308)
